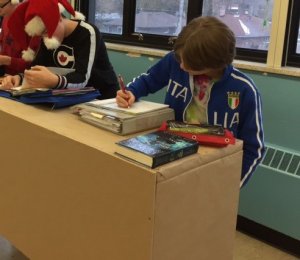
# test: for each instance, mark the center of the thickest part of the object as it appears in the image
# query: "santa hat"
(34, 18)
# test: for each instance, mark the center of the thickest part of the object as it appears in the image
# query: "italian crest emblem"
(233, 99)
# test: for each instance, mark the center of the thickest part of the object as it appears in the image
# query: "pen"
(122, 85)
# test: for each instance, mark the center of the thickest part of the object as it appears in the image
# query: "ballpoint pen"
(121, 83)
(122, 86)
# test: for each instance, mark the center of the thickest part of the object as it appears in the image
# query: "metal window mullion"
(194, 9)
(128, 17)
(293, 58)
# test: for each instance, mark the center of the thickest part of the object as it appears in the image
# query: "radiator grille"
(281, 160)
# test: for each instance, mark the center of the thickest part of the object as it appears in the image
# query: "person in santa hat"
(66, 43)
(11, 61)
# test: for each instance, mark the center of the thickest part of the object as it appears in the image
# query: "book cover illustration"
(157, 148)
(177, 126)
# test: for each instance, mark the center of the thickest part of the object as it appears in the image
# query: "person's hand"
(5, 60)
(125, 99)
(40, 77)
(9, 82)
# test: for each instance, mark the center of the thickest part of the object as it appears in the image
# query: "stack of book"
(106, 114)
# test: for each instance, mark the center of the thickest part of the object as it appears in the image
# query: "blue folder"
(55, 100)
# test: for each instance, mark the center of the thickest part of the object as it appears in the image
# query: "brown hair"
(205, 43)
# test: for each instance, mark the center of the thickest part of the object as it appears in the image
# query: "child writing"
(11, 61)
(204, 87)
(67, 43)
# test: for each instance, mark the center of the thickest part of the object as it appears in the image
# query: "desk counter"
(64, 194)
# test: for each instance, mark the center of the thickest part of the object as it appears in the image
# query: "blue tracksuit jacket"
(234, 103)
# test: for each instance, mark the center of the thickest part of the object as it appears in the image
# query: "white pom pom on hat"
(51, 43)
(28, 55)
(14, 2)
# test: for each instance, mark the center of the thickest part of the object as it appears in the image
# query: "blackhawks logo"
(233, 99)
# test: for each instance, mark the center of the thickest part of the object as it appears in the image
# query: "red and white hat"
(38, 18)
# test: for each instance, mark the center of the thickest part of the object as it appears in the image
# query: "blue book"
(156, 148)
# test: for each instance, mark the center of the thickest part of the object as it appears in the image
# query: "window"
(249, 20)
(167, 20)
(292, 47)
(109, 16)
(156, 23)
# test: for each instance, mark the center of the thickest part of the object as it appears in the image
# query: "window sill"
(136, 51)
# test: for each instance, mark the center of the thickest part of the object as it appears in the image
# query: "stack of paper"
(140, 107)
(106, 114)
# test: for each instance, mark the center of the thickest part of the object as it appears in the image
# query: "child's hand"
(125, 99)
(40, 77)
(9, 82)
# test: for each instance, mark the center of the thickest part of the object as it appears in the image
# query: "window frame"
(194, 9)
(292, 58)
(129, 36)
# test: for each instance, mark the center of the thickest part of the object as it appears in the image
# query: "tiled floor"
(246, 248)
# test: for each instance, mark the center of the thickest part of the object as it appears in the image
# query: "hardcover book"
(156, 148)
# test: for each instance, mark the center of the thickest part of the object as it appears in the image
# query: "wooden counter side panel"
(195, 213)
(61, 199)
